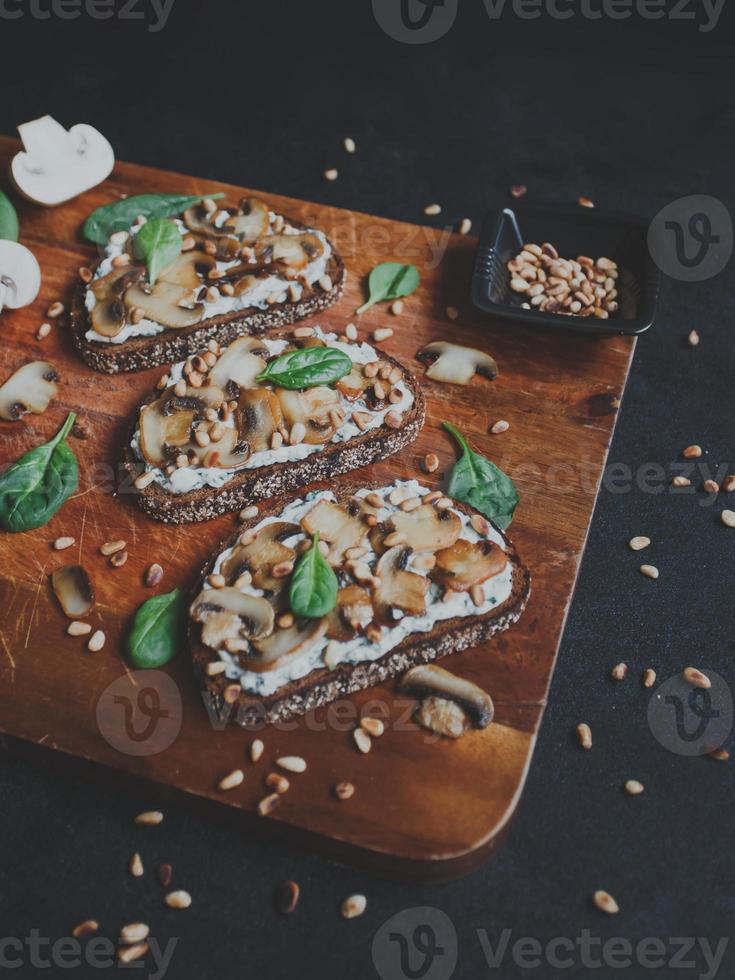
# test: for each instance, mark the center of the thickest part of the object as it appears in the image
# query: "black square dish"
(573, 230)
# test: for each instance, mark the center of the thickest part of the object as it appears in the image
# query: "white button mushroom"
(58, 165)
(20, 275)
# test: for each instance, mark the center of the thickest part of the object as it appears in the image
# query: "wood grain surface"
(421, 806)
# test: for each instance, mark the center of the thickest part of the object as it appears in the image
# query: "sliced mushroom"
(241, 362)
(262, 555)
(108, 317)
(398, 588)
(231, 617)
(340, 529)
(20, 275)
(468, 563)
(455, 364)
(116, 282)
(29, 389)
(74, 591)
(314, 408)
(230, 452)
(353, 385)
(251, 222)
(428, 680)
(161, 303)
(283, 645)
(197, 219)
(160, 432)
(189, 269)
(259, 416)
(293, 252)
(443, 717)
(426, 528)
(353, 612)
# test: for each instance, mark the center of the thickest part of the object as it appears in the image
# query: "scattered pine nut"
(135, 866)
(55, 310)
(465, 226)
(585, 202)
(291, 763)
(584, 735)
(693, 338)
(277, 782)
(256, 750)
(619, 672)
(397, 307)
(85, 928)
(96, 641)
(362, 740)
(249, 513)
(331, 174)
(325, 283)
(500, 426)
(61, 544)
(728, 518)
(303, 332)
(696, 678)
(719, 755)
(382, 333)
(153, 575)
(349, 144)
(430, 463)
(353, 906)
(728, 484)
(605, 902)
(649, 677)
(178, 900)
(149, 818)
(128, 954)
(43, 331)
(518, 190)
(111, 547)
(477, 594)
(85, 274)
(692, 452)
(711, 486)
(351, 331)
(231, 780)
(681, 481)
(215, 667)
(650, 571)
(144, 480)
(268, 804)
(452, 312)
(633, 787)
(216, 581)
(118, 559)
(373, 726)
(134, 932)
(78, 628)
(639, 543)
(432, 209)
(344, 790)
(165, 874)
(287, 897)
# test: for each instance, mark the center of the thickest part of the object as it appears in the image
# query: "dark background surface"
(633, 114)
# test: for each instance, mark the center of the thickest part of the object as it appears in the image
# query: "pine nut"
(477, 595)
(650, 571)
(149, 818)
(344, 791)
(111, 547)
(465, 226)
(216, 581)
(692, 452)
(282, 569)
(585, 202)
(298, 433)
(268, 804)
(696, 678)
(719, 755)
(287, 897)
(693, 338)
(78, 628)
(215, 667)
(397, 307)
(128, 954)
(178, 900)
(452, 312)
(619, 672)
(231, 780)
(711, 486)
(728, 518)
(351, 331)
(331, 174)
(443, 503)
(55, 310)
(373, 726)
(135, 866)
(728, 484)
(291, 763)
(256, 750)
(432, 209)
(277, 782)
(480, 524)
(286, 621)
(153, 575)
(249, 513)
(135, 932)
(410, 504)
(85, 928)
(584, 735)
(353, 906)
(276, 440)
(605, 902)
(382, 333)
(393, 420)
(633, 787)
(362, 740)
(61, 544)
(431, 463)
(649, 677)
(43, 331)
(349, 144)
(96, 641)
(639, 543)
(500, 426)
(357, 552)
(325, 283)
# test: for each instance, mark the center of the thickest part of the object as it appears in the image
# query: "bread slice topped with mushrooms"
(342, 589)
(212, 273)
(238, 425)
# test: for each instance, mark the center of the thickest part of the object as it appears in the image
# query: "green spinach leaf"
(34, 488)
(120, 215)
(313, 591)
(307, 368)
(8, 219)
(389, 280)
(157, 633)
(158, 244)
(482, 484)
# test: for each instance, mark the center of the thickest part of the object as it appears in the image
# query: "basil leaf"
(120, 215)
(8, 219)
(34, 488)
(157, 632)
(482, 484)
(307, 368)
(313, 591)
(389, 280)
(159, 244)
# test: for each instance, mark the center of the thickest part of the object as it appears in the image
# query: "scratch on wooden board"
(81, 532)
(39, 585)
(9, 656)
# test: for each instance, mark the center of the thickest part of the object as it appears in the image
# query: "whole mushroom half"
(455, 364)
(20, 275)
(29, 389)
(440, 686)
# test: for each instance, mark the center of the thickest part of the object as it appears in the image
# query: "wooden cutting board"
(431, 808)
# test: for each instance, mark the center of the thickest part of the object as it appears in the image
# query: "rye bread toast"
(229, 703)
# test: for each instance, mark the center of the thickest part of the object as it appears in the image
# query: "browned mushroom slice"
(197, 219)
(442, 716)
(245, 284)
(426, 528)
(335, 526)
(116, 282)
(73, 589)
(353, 385)
(251, 222)
(161, 303)
(228, 453)
(429, 680)
(231, 618)
(259, 416)
(241, 362)
(189, 269)
(108, 317)
(29, 389)
(293, 252)
(283, 645)
(353, 612)
(160, 432)
(398, 588)
(262, 555)
(314, 408)
(455, 364)
(468, 563)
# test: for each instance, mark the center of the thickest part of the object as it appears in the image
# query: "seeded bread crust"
(323, 686)
(265, 482)
(141, 353)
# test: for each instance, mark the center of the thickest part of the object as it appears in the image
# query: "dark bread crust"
(265, 482)
(323, 686)
(141, 353)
